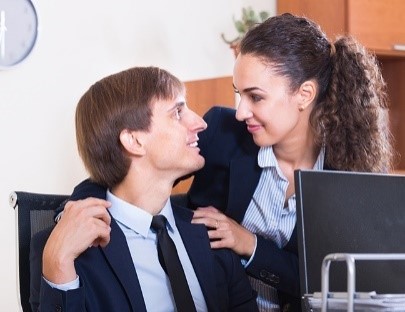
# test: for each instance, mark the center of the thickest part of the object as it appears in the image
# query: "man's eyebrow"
(177, 105)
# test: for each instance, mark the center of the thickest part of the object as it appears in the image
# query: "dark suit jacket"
(109, 281)
(227, 182)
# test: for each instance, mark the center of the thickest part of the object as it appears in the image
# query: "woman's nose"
(243, 112)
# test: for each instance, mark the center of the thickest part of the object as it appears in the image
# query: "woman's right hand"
(225, 232)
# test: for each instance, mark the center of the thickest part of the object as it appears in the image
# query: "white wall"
(79, 43)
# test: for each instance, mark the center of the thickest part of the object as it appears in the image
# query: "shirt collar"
(320, 161)
(266, 158)
(136, 218)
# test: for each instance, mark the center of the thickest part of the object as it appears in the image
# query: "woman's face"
(266, 104)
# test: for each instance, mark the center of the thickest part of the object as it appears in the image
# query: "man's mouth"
(193, 144)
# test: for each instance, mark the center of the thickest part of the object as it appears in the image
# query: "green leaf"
(264, 15)
(240, 27)
(248, 19)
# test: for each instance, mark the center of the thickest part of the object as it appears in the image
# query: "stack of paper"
(362, 302)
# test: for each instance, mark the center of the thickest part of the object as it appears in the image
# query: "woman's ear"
(307, 94)
(132, 142)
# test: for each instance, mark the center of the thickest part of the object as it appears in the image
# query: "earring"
(300, 109)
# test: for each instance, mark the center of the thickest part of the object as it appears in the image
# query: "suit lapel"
(243, 179)
(196, 242)
(119, 257)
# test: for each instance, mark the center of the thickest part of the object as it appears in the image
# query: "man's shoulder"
(88, 188)
(223, 255)
(227, 257)
(180, 210)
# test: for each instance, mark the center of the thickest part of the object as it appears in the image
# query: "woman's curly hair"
(352, 120)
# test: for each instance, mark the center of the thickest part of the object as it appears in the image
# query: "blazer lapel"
(196, 242)
(243, 179)
(119, 257)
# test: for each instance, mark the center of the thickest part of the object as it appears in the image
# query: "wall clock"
(18, 31)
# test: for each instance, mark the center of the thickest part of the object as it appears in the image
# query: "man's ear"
(307, 94)
(133, 142)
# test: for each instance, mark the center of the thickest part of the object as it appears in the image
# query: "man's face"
(173, 138)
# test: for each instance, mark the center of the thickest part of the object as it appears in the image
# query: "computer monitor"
(350, 212)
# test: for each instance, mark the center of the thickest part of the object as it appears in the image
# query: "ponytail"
(352, 119)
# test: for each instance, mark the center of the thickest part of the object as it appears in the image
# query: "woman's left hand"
(225, 232)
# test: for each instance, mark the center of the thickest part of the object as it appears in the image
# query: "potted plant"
(249, 18)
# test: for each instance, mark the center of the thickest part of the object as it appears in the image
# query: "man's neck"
(146, 193)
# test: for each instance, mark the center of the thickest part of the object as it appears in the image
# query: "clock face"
(18, 31)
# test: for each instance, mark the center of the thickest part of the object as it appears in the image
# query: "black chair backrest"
(33, 213)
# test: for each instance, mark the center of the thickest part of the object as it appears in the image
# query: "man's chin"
(197, 165)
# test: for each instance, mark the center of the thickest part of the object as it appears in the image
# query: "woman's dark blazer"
(227, 182)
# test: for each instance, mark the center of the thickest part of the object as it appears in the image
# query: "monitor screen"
(350, 212)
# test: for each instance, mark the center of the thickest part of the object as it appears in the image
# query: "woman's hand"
(224, 232)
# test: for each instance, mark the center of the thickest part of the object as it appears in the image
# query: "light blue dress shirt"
(142, 243)
(268, 217)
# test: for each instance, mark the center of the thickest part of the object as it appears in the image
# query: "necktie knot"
(159, 223)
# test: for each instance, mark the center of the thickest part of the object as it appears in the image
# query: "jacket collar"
(196, 241)
(118, 255)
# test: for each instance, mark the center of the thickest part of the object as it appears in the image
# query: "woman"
(304, 103)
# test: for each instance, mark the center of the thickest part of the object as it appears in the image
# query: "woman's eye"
(255, 98)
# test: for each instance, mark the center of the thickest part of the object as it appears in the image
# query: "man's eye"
(177, 113)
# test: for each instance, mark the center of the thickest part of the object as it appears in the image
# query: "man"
(136, 136)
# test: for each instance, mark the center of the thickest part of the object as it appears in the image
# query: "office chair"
(33, 213)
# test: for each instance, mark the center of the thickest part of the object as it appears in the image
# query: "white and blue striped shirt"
(268, 216)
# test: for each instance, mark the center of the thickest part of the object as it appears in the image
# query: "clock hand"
(3, 30)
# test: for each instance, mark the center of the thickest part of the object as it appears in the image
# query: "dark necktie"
(169, 259)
